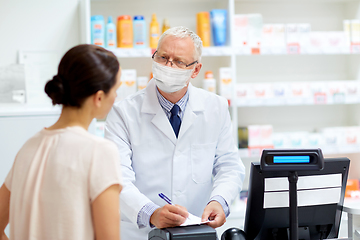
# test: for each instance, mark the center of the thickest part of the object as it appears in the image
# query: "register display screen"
(291, 159)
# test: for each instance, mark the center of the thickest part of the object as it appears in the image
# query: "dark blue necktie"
(175, 120)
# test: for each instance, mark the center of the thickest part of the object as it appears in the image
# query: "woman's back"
(55, 177)
(64, 183)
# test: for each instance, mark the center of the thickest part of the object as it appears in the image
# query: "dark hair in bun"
(83, 70)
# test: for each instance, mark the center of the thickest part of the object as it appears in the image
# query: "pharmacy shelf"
(290, 1)
(147, 52)
(267, 50)
(327, 150)
(286, 102)
(238, 51)
(297, 93)
(267, 64)
(217, 51)
(131, 52)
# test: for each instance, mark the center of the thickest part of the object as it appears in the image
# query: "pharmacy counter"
(352, 208)
(17, 124)
(350, 221)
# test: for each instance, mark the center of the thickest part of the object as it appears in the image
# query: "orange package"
(352, 188)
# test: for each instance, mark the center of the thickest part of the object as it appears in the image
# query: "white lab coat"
(201, 163)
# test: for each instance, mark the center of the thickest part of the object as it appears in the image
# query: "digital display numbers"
(291, 159)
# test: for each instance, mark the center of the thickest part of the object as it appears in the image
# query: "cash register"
(313, 217)
(193, 232)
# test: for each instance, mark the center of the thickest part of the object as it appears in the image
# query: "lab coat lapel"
(163, 124)
(151, 105)
(195, 104)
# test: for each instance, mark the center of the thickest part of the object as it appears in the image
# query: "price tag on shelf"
(339, 98)
(355, 47)
(320, 98)
(293, 48)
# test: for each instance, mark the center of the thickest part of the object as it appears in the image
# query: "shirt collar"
(167, 105)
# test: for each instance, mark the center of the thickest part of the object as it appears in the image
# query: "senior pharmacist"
(176, 139)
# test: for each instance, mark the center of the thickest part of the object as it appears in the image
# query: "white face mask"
(170, 79)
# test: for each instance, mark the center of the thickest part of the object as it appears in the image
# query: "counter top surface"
(352, 206)
(12, 110)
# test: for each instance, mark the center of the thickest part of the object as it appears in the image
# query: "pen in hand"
(181, 210)
(190, 217)
(165, 198)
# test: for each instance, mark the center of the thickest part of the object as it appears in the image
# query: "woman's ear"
(98, 97)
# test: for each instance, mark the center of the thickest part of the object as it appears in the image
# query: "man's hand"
(169, 216)
(215, 213)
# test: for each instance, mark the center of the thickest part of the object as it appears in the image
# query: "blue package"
(110, 35)
(97, 30)
(219, 26)
(139, 32)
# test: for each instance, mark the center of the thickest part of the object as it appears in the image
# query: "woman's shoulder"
(85, 136)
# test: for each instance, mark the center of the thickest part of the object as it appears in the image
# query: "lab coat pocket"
(202, 160)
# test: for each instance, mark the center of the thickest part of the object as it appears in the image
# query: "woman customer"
(65, 182)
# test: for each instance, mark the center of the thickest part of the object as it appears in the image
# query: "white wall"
(37, 25)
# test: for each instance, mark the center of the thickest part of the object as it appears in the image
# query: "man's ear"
(197, 70)
(98, 98)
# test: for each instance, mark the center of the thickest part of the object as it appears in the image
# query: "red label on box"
(293, 48)
(320, 98)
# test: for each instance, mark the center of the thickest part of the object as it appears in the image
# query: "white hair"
(183, 32)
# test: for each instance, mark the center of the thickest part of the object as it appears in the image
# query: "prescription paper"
(193, 220)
